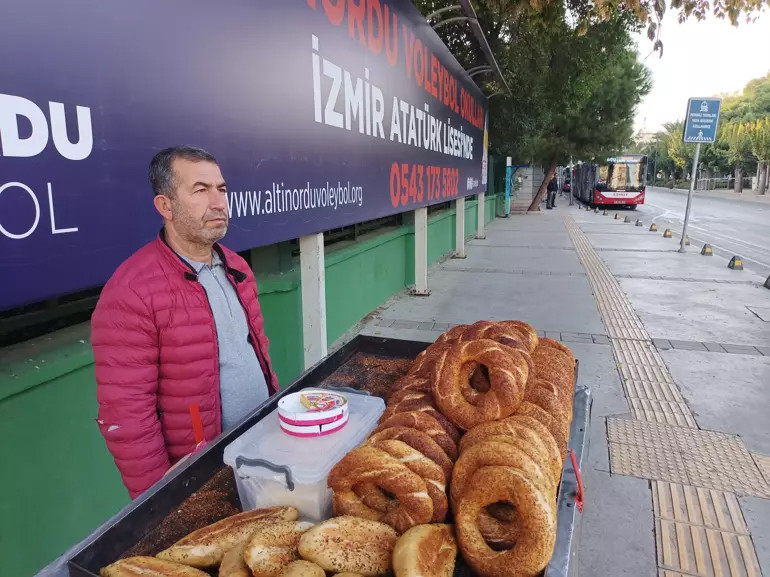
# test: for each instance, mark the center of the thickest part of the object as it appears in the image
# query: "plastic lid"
(312, 407)
(307, 431)
(309, 459)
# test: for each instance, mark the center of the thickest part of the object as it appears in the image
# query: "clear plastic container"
(272, 468)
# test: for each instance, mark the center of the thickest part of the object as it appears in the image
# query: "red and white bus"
(621, 181)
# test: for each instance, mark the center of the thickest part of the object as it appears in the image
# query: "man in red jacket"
(178, 331)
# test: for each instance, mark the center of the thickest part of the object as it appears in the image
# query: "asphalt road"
(731, 227)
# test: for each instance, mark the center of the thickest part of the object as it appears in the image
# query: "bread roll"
(205, 547)
(273, 546)
(425, 551)
(350, 545)
(347, 574)
(233, 564)
(302, 569)
(146, 566)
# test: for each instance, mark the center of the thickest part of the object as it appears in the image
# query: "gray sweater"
(241, 381)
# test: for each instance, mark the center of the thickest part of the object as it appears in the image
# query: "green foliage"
(573, 93)
(759, 135)
(752, 104)
(680, 153)
(738, 140)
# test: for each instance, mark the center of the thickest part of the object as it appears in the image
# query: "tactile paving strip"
(701, 532)
(764, 465)
(653, 390)
(726, 465)
(683, 455)
(643, 372)
(639, 353)
(662, 412)
(618, 315)
(638, 461)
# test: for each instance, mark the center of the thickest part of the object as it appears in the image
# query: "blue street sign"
(701, 121)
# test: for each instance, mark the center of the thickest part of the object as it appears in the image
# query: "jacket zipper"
(255, 341)
(218, 393)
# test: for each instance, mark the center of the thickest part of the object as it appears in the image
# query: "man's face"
(199, 205)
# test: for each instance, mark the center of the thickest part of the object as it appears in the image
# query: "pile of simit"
(271, 542)
(486, 411)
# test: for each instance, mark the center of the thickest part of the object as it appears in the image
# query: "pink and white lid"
(314, 430)
(312, 407)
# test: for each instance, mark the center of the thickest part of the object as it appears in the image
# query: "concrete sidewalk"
(673, 348)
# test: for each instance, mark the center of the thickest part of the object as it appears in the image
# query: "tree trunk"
(763, 179)
(738, 187)
(543, 186)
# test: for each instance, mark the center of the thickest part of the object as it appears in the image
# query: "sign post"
(700, 126)
(508, 175)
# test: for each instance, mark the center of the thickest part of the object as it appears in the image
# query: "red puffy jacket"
(155, 351)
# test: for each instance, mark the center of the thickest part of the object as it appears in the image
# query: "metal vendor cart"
(119, 534)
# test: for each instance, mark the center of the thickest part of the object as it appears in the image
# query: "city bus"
(621, 181)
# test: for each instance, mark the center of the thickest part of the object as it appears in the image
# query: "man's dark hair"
(162, 172)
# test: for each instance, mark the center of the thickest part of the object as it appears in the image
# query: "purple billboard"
(322, 113)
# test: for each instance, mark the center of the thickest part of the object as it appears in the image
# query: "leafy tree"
(738, 140)
(752, 104)
(588, 95)
(680, 152)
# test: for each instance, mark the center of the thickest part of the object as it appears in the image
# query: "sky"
(706, 58)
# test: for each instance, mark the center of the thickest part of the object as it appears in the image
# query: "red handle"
(197, 424)
(579, 495)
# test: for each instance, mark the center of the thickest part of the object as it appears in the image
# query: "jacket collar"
(189, 272)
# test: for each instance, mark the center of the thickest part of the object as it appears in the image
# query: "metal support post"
(481, 220)
(508, 175)
(313, 280)
(460, 227)
(693, 176)
(421, 252)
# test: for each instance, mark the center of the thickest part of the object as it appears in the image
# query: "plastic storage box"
(273, 468)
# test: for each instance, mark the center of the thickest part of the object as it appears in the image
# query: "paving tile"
(652, 390)
(426, 326)
(441, 326)
(604, 340)
(662, 412)
(764, 350)
(576, 338)
(714, 347)
(757, 514)
(725, 465)
(405, 325)
(638, 461)
(385, 322)
(655, 374)
(741, 349)
(763, 463)
(701, 532)
(553, 335)
(698, 551)
(638, 353)
(688, 345)
(662, 344)
(698, 506)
